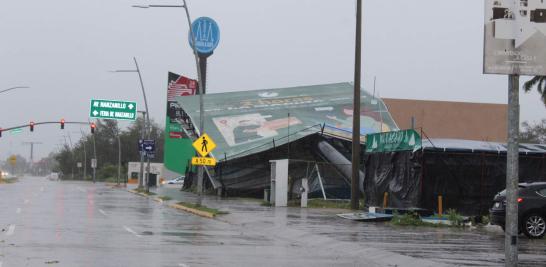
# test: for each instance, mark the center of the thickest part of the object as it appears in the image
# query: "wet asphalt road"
(47, 223)
(50, 223)
(476, 246)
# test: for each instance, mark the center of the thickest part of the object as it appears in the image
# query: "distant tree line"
(106, 141)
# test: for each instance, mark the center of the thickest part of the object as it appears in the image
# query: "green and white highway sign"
(113, 110)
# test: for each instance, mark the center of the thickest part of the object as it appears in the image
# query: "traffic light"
(93, 126)
(31, 125)
(62, 124)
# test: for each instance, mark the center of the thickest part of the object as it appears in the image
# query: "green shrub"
(408, 219)
(455, 218)
(106, 172)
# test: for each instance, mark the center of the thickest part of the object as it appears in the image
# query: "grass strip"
(8, 180)
(165, 198)
(143, 191)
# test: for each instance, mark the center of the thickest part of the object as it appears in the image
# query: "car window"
(542, 192)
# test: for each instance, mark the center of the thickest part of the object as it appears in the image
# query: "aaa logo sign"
(204, 145)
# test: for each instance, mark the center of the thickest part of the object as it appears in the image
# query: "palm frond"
(527, 86)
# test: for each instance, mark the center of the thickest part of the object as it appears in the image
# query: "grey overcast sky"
(63, 49)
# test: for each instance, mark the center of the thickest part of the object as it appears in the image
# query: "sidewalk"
(314, 229)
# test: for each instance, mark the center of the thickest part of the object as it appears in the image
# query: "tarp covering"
(467, 174)
(248, 122)
(250, 175)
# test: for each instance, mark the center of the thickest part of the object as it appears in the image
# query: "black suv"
(531, 209)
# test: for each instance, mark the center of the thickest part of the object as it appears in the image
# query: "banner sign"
(178, 149)
(515, 37)
(393, 141)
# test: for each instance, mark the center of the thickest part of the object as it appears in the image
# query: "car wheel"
(534, 226)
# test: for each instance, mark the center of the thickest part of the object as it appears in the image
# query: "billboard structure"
(515, 36)
(178, 147)
(247, 122)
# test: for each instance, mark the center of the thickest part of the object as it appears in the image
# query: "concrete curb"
(193, 211)
(178, 206)
(138, 193)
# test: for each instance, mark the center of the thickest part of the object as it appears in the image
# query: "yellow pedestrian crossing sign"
(204, 145)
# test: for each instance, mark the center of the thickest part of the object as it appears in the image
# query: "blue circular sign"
(207, 35)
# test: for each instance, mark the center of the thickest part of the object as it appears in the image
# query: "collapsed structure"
(312, 126)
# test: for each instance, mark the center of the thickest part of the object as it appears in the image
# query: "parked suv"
(531, 209)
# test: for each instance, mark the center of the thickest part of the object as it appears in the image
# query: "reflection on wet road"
(81, 224)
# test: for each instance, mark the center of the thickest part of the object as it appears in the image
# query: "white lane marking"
(26, 201)
(103, 213)
(41, 189)
(18, 210)
(11, 230)
(131, 231)
(180, 264)
(80, 189)
(0, 264)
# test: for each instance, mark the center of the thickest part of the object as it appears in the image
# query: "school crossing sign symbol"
(204, 145)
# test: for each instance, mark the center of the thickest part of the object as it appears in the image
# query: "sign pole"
(512, 174)
(356, 111)
(203, 46)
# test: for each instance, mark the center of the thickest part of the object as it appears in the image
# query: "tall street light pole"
(199, 80)
(146, 125)
(355, 178)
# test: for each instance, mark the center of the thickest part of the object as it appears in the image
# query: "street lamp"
(199, 80)
(146, 123)
(13, 88)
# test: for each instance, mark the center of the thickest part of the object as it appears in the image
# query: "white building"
(156, 172)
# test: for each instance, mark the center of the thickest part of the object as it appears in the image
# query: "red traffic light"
(31, 125)
(62, 124)
(93, 126)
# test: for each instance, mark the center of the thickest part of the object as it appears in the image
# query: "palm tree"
(540, 83)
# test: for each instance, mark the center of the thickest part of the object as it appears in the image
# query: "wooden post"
(385, 199)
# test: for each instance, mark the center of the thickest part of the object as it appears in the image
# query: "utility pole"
(32, 143)
(95, 160)
(141, 173)
(119, 158)
(355, 178)
(512, 174)
(84, 157)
